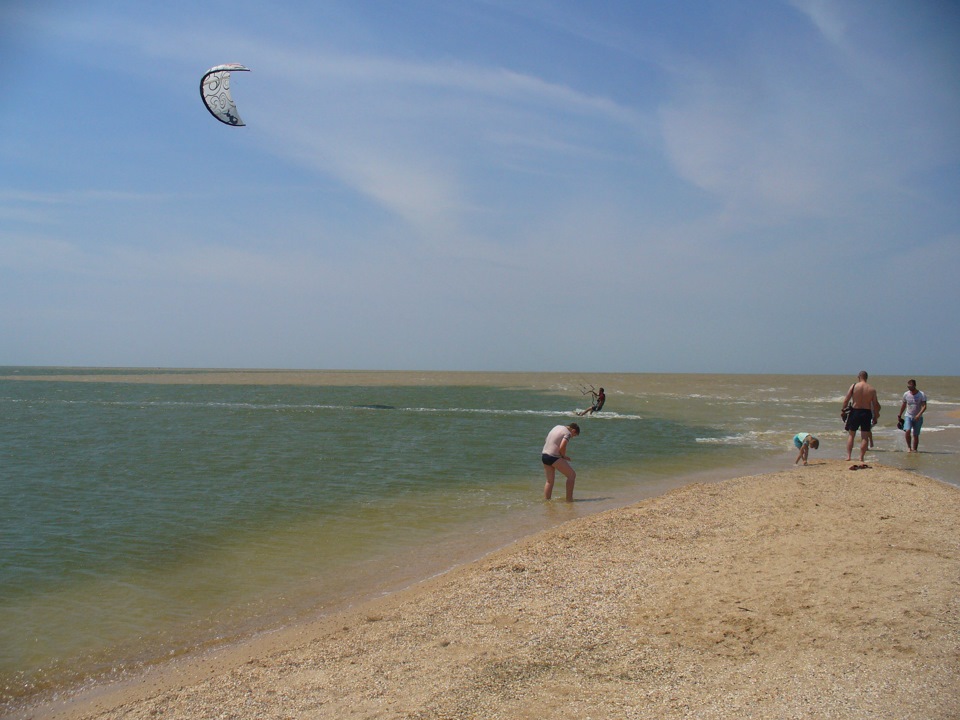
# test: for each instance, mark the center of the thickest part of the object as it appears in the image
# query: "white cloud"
(776, 138)
(826, 16)
(410, 135)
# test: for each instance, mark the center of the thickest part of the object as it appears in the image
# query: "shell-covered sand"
(816, 592)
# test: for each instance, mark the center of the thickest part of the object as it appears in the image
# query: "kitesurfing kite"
(215, 91)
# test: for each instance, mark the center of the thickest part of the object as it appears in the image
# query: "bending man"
(555, 458)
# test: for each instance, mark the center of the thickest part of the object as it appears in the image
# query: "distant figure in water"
(555, 458)
(804, 441)
(598, 400)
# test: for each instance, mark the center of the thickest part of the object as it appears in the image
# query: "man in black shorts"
(863, 416)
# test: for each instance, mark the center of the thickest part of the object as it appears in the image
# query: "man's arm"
(846, 398)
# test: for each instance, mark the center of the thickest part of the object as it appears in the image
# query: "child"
(804, 441)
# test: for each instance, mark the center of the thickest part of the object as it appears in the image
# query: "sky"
(728, 186)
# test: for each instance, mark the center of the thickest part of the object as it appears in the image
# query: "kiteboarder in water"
(598, 400)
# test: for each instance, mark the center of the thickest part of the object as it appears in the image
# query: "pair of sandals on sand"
(861, 466)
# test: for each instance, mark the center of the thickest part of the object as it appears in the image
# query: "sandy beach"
(817, 591)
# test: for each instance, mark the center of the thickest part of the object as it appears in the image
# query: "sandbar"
(814, 592)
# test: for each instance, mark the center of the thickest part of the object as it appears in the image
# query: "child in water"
(803, 442)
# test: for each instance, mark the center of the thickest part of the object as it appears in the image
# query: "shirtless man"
(865, 413)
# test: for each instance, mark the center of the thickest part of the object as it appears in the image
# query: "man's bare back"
(865, 397)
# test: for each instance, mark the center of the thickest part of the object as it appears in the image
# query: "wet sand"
(814, 592)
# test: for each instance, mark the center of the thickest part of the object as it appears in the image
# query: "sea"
(152, 514)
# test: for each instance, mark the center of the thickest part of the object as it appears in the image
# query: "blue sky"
(730, 186)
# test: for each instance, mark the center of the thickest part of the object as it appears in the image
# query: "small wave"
(752, 438)
(274, 407)
(516, 412)
(939, 428)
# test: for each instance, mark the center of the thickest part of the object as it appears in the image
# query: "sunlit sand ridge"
(813, 592)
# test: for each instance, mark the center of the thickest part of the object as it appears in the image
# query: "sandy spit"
(327, 378)
(817, 592)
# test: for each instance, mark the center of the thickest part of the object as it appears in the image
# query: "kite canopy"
(215, 91)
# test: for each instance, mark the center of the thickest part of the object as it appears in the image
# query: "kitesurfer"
(598, 400)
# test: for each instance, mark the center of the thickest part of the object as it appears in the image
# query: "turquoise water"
(140, 520)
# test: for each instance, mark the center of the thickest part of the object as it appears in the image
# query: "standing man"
(864, 415)
(915, 403)
(554, 457)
